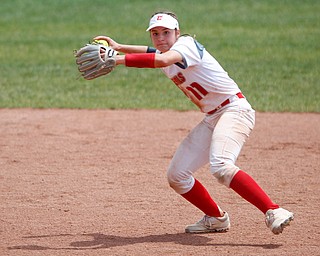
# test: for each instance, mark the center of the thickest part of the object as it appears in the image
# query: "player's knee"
(224, 172)
(179, 181)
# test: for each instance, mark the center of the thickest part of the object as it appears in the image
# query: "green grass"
(270, 48)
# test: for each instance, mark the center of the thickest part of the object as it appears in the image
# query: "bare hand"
(113, 44)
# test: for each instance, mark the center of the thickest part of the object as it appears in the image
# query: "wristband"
(140, 60)
(151, 49)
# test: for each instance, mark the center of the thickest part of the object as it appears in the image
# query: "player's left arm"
(149, 60)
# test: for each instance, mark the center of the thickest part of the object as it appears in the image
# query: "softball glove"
(95, 60)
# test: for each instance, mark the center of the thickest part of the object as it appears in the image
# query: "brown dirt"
(92, 182)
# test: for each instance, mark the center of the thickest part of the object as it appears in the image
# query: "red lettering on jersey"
(195, 93)
(159, 17)
(178, 79)
(199, 88)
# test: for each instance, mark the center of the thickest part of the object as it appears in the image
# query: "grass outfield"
(270, 48)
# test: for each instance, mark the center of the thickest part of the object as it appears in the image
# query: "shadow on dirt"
(102, 241)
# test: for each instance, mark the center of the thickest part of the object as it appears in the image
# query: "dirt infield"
(93, 182)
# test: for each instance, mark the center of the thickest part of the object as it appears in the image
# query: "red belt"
(226, 102)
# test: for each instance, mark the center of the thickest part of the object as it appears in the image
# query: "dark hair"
(172, 14)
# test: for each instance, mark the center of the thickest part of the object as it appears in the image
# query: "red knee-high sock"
(247, 188)
(200, 198)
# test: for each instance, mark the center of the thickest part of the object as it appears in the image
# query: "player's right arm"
(141, 56)
(124, 48)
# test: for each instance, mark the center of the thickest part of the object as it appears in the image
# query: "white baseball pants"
(218, 140)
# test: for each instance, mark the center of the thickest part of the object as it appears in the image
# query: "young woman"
(218, 138)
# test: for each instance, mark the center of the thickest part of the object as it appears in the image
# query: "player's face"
(163, 38)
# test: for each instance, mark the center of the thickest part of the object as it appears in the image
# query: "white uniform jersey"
(200, 76)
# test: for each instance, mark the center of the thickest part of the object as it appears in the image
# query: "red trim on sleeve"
(140, 60)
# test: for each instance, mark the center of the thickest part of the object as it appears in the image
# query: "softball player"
(218, 138)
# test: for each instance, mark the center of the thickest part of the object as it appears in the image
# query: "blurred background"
(270, 48)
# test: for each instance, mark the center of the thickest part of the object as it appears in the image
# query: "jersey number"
(197, 90)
